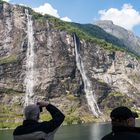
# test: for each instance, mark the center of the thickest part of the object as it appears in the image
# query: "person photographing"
(32, 129)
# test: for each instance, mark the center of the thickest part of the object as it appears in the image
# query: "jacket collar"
(29, 122)
(123, 129)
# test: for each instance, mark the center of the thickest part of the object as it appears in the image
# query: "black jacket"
(123, 133)
(33, 130)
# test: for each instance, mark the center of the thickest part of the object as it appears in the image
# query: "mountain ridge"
(128, 38)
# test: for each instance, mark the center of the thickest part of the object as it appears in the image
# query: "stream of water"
(30, 56)
(90, 96)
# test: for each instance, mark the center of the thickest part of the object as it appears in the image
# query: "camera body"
(40, 108)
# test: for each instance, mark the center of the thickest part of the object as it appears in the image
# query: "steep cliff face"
(114, 76)
(54, 53)
(11, 37)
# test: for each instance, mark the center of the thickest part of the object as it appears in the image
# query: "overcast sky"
(125, 13)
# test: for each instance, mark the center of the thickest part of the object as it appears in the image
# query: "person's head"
(123, 116)
(32, 112)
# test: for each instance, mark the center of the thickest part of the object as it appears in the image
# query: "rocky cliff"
(67, 69)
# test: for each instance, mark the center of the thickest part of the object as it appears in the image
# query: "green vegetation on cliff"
(8, 59)
(88, 32)
(111, 101)
(71, 28)
(10, 116)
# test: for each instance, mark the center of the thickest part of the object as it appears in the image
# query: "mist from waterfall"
(30, 75)
(90, 96)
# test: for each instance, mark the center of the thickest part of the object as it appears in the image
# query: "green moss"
(71, 119)
(10, 115)
(37, 16)
(71, 97)
(8, 59)
(45, 116)
(116, 99)
(115, 94)
(9, 125)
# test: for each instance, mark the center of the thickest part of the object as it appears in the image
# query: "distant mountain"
(127, 38)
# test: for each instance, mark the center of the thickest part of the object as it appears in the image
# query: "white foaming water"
(87, 84)
(30, 75)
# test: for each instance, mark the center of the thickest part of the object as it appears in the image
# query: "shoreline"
(1, 129)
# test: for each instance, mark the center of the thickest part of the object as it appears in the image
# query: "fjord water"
(94, 131)
(73, 132)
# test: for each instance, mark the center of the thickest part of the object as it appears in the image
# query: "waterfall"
(90, 96)
(30, 74)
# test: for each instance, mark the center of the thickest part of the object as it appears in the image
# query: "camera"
(40, 108)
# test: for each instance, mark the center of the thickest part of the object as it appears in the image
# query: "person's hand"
(42, 104)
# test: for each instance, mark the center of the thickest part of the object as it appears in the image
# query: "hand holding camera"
(42, 104)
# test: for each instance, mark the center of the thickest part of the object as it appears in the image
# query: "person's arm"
(57, 117)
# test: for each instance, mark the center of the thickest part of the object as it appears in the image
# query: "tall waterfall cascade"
(90, 96)
(30, 56)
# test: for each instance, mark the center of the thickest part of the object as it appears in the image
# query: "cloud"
(127, 17)
(47, 9)
(66, 19)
